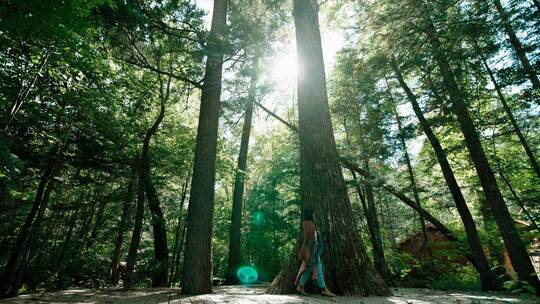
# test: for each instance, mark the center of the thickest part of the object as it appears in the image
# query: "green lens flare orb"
(258, 217)
(247, 275)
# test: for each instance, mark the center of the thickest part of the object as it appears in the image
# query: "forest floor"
(256, 295)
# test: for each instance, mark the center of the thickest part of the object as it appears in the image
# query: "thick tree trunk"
(136, 235)
(517, 129)
(513, 242)
(198, 255)
(516, 45)
(234, 258)
(481, 263)
(348, 269)
(123, 226)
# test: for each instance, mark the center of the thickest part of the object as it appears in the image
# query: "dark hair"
(307, 214)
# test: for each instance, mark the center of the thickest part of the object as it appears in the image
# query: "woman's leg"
(322, 283)
(303, 279)
(305, 275)
(320, 275)
(300, 271)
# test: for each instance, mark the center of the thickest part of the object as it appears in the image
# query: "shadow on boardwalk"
(255, 295)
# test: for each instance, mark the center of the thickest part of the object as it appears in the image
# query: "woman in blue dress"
(310, 253)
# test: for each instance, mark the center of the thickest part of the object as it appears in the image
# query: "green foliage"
(458, 278)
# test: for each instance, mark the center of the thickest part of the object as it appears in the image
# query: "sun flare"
(283, 69)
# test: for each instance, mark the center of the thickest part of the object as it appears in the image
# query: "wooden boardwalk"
(256, 295)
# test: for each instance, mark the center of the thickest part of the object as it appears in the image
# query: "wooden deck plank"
(255, 295)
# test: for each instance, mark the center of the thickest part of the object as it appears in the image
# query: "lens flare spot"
(247, 275)
(258, 218)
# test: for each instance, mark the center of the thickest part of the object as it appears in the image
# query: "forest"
(176, 143)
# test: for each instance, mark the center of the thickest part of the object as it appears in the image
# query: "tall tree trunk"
(161, 251)
(178, 273)
(99, 221)
(136, 234)
(9, 272)
(414, 187)
(481, 263)
(516, 45)
(27, 85)
(519, 201)
(513, 242)
(517, 129)
(348, 269)
(30, 247)
(67, 239)
(198, 254)
(91, 210)
(179, 231)
(234, 258)
(375, 231)
(494, 250)
(123, 226)
(360, 193)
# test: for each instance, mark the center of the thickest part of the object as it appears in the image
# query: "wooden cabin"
(444, 251)
(441, 247)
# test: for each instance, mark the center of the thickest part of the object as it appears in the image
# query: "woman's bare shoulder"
(308, 225)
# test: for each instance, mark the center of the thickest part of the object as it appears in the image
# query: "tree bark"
(136, 235)
(515, 126)
(348, 269)
(234, 257)
(516, 45)
(198, 253)
(513, 242)
(122, 228)
(487, 278)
